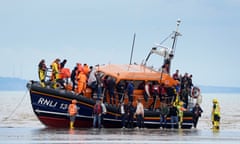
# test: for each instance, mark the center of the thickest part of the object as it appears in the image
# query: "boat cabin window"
(138, 84)
(107, 78)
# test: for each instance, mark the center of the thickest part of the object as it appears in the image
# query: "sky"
(101, 32)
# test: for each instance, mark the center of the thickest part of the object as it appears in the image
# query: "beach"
(20, 125)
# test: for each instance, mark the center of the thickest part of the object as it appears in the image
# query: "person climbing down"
(197, 112)
(215, 114)
(72, 111)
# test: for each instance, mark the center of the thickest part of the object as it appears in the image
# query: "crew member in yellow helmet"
(215, 114)
(181, 109)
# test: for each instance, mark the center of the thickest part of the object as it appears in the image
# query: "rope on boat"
(14, 110)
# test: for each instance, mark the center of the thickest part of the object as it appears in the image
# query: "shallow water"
(45, 135)
(20, 125)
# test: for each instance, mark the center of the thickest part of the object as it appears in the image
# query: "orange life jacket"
(72, 109)
(85, 69)
(65, 73)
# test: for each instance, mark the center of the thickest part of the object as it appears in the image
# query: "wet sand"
(18, 124)
(46, 135)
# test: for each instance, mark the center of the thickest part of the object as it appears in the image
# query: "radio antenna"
(134, 36)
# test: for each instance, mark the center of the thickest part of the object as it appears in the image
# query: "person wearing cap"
(72, 111)
(215, 114)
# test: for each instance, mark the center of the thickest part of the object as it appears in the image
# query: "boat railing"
(48, 74)
(153, 102)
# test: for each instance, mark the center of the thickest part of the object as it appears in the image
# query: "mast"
(172, 51)
(168, 57)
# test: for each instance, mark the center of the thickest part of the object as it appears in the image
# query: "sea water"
(18, 124)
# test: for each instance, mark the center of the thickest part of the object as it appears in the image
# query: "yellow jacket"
(55, 70)
(215, 110)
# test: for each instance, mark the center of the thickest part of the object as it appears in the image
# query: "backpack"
(97, 109)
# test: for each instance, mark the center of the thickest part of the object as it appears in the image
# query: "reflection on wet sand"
(48, 135)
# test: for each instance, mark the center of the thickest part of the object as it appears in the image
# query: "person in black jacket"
(197, 111)
(123, 112)
(130, 112)
(73, 78)
(121, 90)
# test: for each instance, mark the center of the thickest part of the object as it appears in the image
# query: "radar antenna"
(167, 53)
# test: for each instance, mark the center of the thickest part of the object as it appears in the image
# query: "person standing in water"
(215, 114)
(140, 114)
(97, 112)
(164, 111)
(197, 111)
(72, 110)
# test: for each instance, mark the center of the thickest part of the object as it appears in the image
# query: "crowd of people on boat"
(59, 75)
(185, 86)
(83, 76)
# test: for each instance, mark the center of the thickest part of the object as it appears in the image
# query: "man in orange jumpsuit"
(82, 83)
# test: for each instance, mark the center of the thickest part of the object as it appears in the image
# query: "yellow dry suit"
(42, 72)
(55, 72)
(215, 114)
(181, 109)
(42, 76)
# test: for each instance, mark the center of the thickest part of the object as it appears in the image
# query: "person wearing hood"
(42, 68)
(215, 114)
